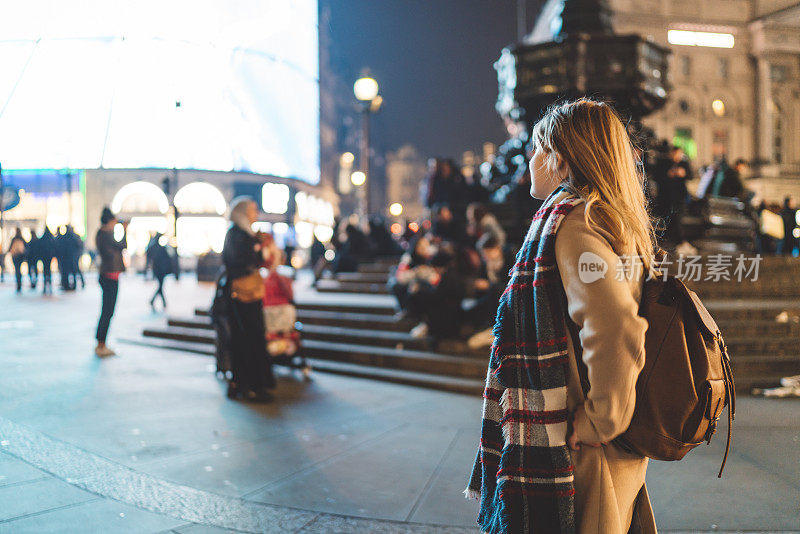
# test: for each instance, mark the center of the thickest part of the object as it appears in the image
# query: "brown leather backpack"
(686, 381)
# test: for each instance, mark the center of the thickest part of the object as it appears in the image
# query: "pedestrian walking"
(62, 254)
(789, 217)
(546, 461)
(46, 251)
(32, 259)
(16, 250)
(241, 256)
(160, 263)
(109, 249)
(75, 252)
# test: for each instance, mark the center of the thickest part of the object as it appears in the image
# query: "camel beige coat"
(610, 492)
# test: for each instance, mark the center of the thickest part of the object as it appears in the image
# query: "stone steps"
(354, 320)
(377, 338)
(765, 364)
(758, 327)
(183, 334)
(371, 354)
(745, 313)
(745, 290)
(333, 286)
(372, 278)
(469, 386)
(392, 331)
(388, 358)
(347, 308)
(329, 307)
(349, 335)
(745, 346)
(745, 382)
(749, 356)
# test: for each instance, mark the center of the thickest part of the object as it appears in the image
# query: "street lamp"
(396, 209)
(358, 178)
(366, 91)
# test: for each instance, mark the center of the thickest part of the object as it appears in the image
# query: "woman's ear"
(562, 167)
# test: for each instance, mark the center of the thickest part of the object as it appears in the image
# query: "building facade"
(405, 173)
(190, 206)
(741, 101)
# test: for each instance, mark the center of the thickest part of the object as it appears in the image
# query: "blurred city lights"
(718, 106)
(323, 233)
(414, 227)
(358, 178)
(397, 228)
(365, 89)
(330, 255)
(275, 198)
(347, 159)
(396, 209)
(692, 38)
(296, 262)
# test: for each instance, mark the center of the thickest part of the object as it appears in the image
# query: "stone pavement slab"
(97, 516)
(150, 434)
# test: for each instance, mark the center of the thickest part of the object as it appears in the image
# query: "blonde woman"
(546, 461)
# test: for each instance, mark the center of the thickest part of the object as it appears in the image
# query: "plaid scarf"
(523, 472)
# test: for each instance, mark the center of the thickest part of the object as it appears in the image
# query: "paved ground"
(147, 442)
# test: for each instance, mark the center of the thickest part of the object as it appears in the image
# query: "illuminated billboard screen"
(216, 85)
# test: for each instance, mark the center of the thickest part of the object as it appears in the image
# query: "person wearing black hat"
(109, 251)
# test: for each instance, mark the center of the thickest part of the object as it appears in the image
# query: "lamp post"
(359, 179)
(366, 92)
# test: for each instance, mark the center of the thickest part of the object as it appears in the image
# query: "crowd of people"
(37, 255)
(451, 277)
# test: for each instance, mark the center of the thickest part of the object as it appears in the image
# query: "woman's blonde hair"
(592, 140)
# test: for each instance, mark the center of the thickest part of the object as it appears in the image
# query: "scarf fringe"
(472, 494)
(505, 406)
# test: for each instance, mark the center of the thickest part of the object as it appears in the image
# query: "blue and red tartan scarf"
(523, 473)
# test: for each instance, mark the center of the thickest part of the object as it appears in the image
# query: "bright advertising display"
(226, 85)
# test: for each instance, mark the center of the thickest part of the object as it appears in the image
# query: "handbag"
(248, 288)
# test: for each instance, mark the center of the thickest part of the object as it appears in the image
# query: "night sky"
(433, 60)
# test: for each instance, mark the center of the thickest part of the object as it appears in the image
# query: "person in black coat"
(241, 256)
(17, 251)
(46, 251)
(161, 264)
(112, 265)
(32, 259)
(671, 175)
(438, 303)
(75, 247)
(496, 261)
(384, 245)
(789, 216)
(355, 249)
(63, 253)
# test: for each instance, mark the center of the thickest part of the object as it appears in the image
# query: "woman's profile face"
(543, 179)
